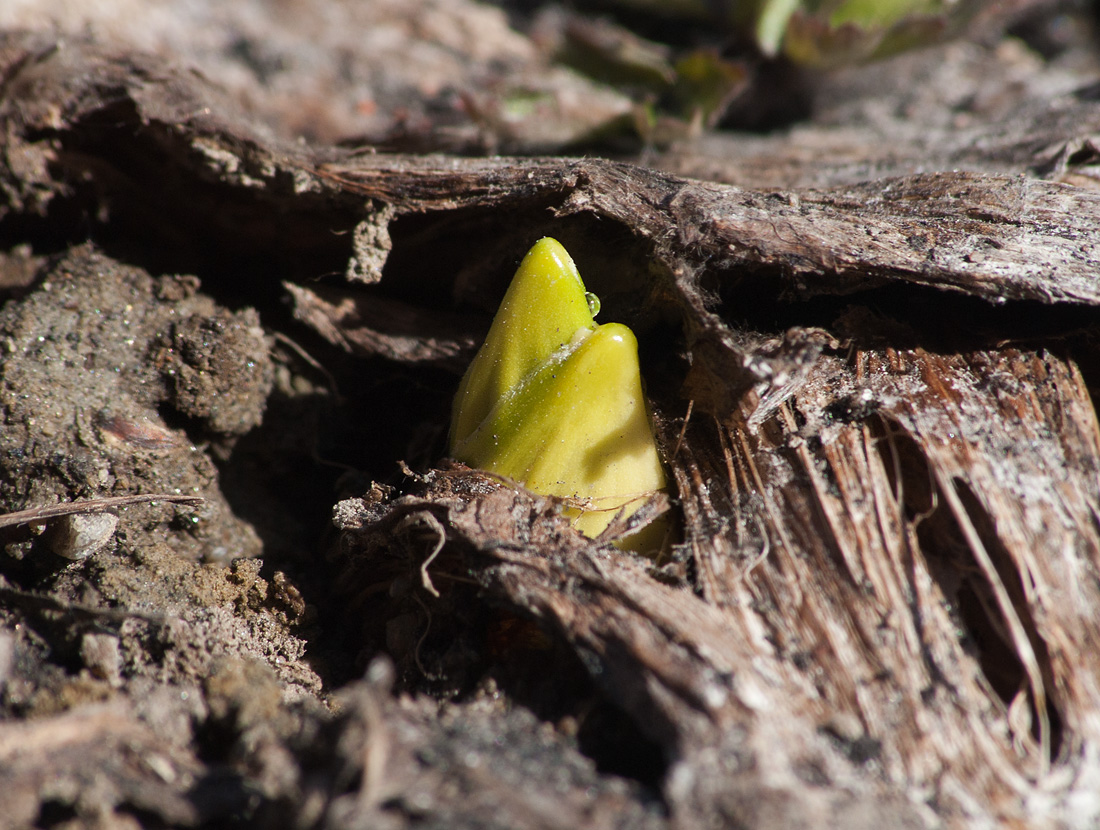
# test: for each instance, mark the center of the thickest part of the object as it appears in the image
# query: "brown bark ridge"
(874, 399)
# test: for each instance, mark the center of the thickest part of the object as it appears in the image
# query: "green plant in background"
(825, 32)
(678, 90)
(692, 87)
(838, 32)
(554, 401)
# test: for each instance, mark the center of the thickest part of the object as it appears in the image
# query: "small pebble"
(79, 535)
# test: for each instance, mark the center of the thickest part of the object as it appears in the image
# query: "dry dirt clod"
(96, 348)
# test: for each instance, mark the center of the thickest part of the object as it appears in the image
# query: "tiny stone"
(7, 657)
(101, 655)
(79, 535)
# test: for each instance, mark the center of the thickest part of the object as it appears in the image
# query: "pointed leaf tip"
(543, 310)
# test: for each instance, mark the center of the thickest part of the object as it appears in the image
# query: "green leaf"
(556, 403)
(828, 33)
(771, 23)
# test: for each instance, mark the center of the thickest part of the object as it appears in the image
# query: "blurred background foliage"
(690, 65)
(635, 79)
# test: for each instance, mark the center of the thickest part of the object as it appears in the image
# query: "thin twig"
(441, 534)
(1024, 650)
(34, 515)
(683, 429)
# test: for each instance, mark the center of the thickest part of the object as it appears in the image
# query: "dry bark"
(873, 397)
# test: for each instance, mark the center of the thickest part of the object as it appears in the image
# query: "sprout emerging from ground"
(554, 401)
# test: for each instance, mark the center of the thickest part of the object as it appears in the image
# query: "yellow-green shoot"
(555, 402)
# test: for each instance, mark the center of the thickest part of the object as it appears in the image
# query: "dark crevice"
(900, 315)
(954, 566)
(54, 812)
(906, 466)
(143, 193)
(466, 258)
(546, 676)
(985, 620)
(904, 316)
(455, 646)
